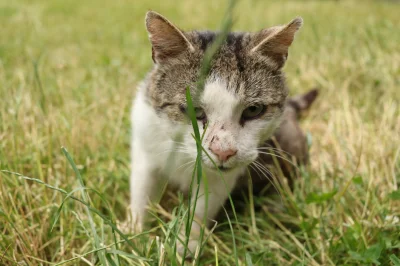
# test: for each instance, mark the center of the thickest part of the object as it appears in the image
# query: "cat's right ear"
(274, 42)
(166, 39)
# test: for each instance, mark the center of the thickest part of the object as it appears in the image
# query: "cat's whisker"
(275, 149)
(260, 170)
(271, 177)
(189, 167)
(270, 148)
(264, 168)
(277, 152)
(262, 173)
(268, 171)
(185, 164)
(255, 169)
(280, 157)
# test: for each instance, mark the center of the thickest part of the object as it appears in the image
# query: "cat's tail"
(302, 102)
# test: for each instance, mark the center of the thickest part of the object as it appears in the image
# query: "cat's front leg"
(207, 207)
(142, 187)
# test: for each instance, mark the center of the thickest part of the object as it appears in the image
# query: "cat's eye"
(253, 112)
(200, 114)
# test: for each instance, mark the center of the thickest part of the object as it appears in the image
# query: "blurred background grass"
(68, 74)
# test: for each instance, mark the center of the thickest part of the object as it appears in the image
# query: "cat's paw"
(129, 227)
(191, 248)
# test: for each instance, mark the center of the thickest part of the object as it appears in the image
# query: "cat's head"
(244, 93)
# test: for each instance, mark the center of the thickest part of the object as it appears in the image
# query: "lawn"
(68, 74)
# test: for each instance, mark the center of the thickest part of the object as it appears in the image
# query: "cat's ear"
(274, 42)
(166, 39)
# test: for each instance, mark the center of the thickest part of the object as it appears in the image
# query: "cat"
(241, 105)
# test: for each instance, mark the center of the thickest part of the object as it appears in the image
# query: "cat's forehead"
(234, 40)
(231, 54)
(245, 74)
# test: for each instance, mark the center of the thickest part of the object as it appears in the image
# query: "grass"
(68, 73)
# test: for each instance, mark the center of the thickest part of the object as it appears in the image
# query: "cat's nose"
(223, 155)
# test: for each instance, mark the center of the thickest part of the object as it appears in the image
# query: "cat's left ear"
(274, 42)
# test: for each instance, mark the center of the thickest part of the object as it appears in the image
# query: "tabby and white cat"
(242, 104)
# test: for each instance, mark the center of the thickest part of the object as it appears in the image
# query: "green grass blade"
(85, 196)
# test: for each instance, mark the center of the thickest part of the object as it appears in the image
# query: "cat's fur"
(245, 73)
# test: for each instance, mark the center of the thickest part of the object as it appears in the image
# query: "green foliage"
(368, 256)
(395, 260)
(320, 197)
(395, 195)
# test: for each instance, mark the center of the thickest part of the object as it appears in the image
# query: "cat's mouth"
(219, 168)
(224, 169)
